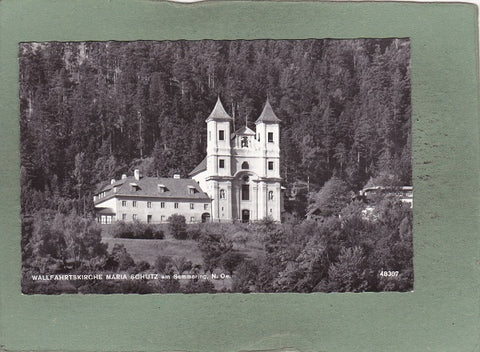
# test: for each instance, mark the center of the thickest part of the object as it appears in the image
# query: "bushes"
(194, 232)
(120, 259)
(177, 226)
(163, 264)
(136, 229)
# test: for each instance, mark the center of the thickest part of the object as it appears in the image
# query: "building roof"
(244, 130)
(106, 186)
(199, 168)
(149, 187)
(267, 115)
(218, 113)
(105, 211)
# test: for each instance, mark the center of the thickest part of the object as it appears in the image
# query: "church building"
(241, 171)
(239, 180)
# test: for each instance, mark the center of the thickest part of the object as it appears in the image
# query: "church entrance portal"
(205, 217)
(245, 215)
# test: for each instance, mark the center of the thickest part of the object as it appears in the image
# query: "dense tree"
(89, 110)
(333, 196)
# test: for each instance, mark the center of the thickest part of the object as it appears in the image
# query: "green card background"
(442, 314)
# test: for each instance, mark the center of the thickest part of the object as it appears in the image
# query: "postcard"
(238, 176)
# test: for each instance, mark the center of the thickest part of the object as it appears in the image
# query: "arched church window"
(244, 142)
(222, 194)
(270, 195)
(245, 166)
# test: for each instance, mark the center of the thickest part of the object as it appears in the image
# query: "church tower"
(268, 139)
(219, 162)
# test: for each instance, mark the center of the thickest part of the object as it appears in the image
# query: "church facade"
(241, 171)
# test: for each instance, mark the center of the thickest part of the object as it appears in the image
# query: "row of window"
(149, 218)
(162, 204)
(245, 193)
(105, 193)
(109, 219)
(245, 166)
(221, 137)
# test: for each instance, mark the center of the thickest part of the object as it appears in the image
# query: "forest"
(91, 111)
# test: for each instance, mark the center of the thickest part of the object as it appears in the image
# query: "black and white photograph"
(243, 166)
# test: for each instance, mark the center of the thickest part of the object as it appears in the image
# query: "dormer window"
(191, 190)
(161, 188)
(134, 187)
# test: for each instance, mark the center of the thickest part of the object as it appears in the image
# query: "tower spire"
(267, 115)
(218, 112)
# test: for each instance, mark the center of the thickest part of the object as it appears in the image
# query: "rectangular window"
(162, 218)
(149, 204)
(134, 216)
(134, 203)
(124, 217)
(270, 137)
(221, 135)
(124, 203)
(270, 165)
(149, 219)
(192, 206)
(176, 206)
(205, 207)
(162, 205)
(245, 192)
(221, 163)
(192, 219)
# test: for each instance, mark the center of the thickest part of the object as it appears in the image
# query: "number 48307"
(388, 273)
